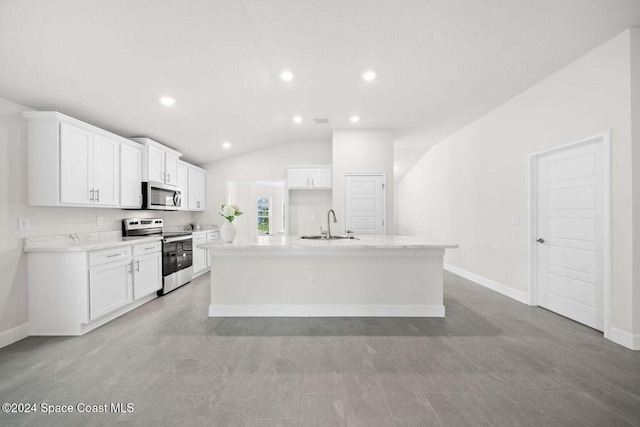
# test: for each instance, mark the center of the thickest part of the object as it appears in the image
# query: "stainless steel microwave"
(161, 197)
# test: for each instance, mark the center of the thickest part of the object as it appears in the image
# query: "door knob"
(540, 240)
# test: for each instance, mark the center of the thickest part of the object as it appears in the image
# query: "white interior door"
(571, 232)
(365, 204)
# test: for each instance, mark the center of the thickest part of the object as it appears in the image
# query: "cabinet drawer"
(212, 235)
(109, 255)
(147, 248)
(199, 238)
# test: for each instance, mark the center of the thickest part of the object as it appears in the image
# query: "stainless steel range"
(177, 250)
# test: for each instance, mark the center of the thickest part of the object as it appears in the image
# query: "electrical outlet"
(312, 279)
(313, 217)
(24, 224)
(99, 220)
(515, 220)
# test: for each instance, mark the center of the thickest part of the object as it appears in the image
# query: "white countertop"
(294, 242)
(208, 230)
(82, 242)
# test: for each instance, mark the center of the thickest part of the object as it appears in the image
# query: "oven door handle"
(177, 239)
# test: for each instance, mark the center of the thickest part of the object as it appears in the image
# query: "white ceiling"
(440, 64)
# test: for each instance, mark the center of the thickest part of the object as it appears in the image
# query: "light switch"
(24, 224)
(99, 220)
(515, 220)
(313, 217)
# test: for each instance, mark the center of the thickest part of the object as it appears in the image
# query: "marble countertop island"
(294, 242)
(287, 276)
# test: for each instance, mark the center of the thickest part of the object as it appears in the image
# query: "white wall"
(269, 164)
(308, 211)
(466, 189)
(362, 151)
(635, 132)
(44, 221)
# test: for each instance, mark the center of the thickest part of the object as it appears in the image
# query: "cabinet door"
(183, 185)
(76, 165)
(171, 169)
(147, 275)
(298, 178)
(196, 190)
(109, 288)
(155, 164)
(106, 171)
(130, 176)
(321, 178)
(199, 255)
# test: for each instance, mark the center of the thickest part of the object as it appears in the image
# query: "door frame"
(384, 197)
(602, 138)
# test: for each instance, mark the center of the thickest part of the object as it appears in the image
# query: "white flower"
(228, 210)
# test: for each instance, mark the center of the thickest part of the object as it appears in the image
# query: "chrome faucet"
(329, 221)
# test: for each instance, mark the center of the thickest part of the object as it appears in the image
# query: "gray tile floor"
(492, 362)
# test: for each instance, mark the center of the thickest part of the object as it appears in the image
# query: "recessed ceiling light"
(369, 76)
(167, 100)
(286, 75)
(354, 119)
(226, 144)
(297, 119)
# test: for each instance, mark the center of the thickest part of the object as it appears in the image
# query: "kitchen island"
(287, 276)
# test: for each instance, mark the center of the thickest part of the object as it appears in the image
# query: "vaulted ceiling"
(440, 64)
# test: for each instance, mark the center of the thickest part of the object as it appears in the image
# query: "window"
(264, 204)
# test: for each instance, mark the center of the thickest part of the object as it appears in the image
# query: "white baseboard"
(326, 310)
(14, 334)
(625, 339)
(517, 295)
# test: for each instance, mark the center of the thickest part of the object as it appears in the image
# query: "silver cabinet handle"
(149, 248)
(113, 255)
(312, 182)
(98, 195)
(138, 265)
(91, 195)
(168, 177)
(540, 240)
(140, 199)
(307, 182)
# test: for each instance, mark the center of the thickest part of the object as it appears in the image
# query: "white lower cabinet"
(147, 275)
(200, 256)
(110, 287)
(71, 293)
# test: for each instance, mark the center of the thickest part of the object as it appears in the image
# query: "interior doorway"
(570, 230)
(365, 203)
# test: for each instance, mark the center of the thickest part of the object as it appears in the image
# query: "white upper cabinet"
(321, 178)
(159, 162)
(183, 184)
(309, 178)
(197, 188)
(155, 164)
(171, 168)
(106, 170)
(298, 178)
(130, 176)
(71, 163)
(76, 165)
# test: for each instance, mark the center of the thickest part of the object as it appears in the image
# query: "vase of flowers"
(228, 230)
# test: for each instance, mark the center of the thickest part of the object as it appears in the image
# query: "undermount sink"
(318, 237)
